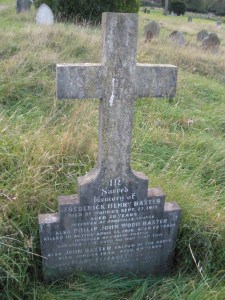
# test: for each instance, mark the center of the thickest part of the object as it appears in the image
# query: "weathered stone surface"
(118, 233)
(219, 22)
(211, 15)
(88, 81)
(152, 26)
(189, 19)
(211, 42)
(178, 38)
(23, 5)
(115, 223)
(44, 15)
(201, 35)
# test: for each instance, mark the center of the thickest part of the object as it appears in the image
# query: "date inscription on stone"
(118, 233)
(115, 224)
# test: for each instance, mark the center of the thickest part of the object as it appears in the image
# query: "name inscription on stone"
(115, 224)
(106, 236)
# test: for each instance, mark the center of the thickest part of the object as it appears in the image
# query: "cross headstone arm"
(79, 81)
(156, 81)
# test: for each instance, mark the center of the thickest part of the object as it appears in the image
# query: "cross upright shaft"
(116, 82)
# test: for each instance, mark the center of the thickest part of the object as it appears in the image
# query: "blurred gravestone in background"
(201, 35)
(44, 15)
(23, 5)
(211, 42)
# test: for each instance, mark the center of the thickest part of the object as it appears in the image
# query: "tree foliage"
(177, 6)
(218, 7)
(90, 10)
(199, 5)
(203, 6)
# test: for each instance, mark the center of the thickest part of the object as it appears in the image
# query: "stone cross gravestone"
(44, 15)
(115, 224)
(23, 5)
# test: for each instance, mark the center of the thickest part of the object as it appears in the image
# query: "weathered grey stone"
(152, 26)
(166, 8)
(211, 42)
(219, 22)
(201, 35)
(178, 38)
(115, 224)
(189, 19)
(44, 15)
(88, 81)
(23, 5)
(211, 15)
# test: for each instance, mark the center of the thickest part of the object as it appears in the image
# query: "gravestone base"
(121, 237)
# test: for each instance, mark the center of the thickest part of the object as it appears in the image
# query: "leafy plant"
(178, 7)
(90, 10)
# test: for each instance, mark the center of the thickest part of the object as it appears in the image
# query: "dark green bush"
(218, 8)
(178, 7)
(90, 10)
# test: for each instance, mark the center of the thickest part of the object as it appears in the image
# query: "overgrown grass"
(46, 144)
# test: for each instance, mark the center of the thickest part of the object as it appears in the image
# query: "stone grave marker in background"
(201, 35)
(211, 42)
(23, 5)
(115, 224)
(190, 19)
(219, 22)
(211, 15)
(152, 26)
(44, 15)
(178, 38)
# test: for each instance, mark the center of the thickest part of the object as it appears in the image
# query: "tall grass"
(46, 144)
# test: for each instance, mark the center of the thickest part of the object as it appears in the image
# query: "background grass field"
(46, 144)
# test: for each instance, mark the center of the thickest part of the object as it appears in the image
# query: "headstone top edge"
(108, 13)
(140, 175)
(169, 206)
(44, 5)
(48, 218)
(155, 192)
(69, 199)
(63, 65)
(156, 65)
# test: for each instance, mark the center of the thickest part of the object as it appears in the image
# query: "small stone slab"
(44, 15)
